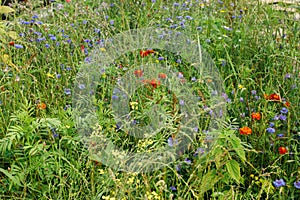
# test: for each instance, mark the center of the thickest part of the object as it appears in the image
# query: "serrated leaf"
(237, 146)
(233, 168)
(6, 10)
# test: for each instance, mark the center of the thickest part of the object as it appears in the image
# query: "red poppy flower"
(146, 53)
(154, 83)
(245, 130)
(12, 43)
(143, 53)
(138, 73)
(150, 51)
(273, 97)
(256, 116)
(162, 75)
(42, 106)
(287, 104)
(82, 48)
(282, 150)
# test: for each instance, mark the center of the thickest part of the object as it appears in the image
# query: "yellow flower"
(102, 49)
(222, 11)
(133, 105)
(240, 86)
(130, 180)
(50, 75)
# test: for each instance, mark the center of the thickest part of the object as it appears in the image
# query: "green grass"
(43, 156)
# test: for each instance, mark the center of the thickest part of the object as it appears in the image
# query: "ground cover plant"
(255, 154)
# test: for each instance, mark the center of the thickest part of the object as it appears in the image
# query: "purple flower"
(284, 110)
(176, 4)
(18, 46)
(177, 167)
(280, 135)
(297, 184)
(282, 117)
(279, 183)
(253, 92)
(114, 97)
(271, 124)
(173, 188)
(181, 102)
(58, 75)
(160, 58)
(47, 45)
(241, 99)
(287, 76)
(180, 75)
(188, 17)
(172, 142)
(199, 151)
(81, 86)
(111, 22)
(187, 161)
(270, 130)
(67, 91)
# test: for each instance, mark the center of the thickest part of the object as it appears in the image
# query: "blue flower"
(270, 130)
(280, 135)
(52, 38)
(282, 117)
(279, 183)
(81, 86)
(18, 46)
(272, 124)
(172, 142)
(297, 184)
(173, 188)
(199, 151)
(181, 102)
(187, 161)
(67, 91)
(284, 110)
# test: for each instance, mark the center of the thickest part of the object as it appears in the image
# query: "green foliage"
(255, 48)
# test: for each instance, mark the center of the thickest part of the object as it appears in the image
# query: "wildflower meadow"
(150, 99)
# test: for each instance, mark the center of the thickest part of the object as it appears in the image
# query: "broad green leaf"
(237, 146)
(233, 168)
(6, 10)
(11, 177)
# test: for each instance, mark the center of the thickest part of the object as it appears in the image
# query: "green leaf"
(6, 10)
(233, 168)
(14, 179)
(208, 181)
(237, 146)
